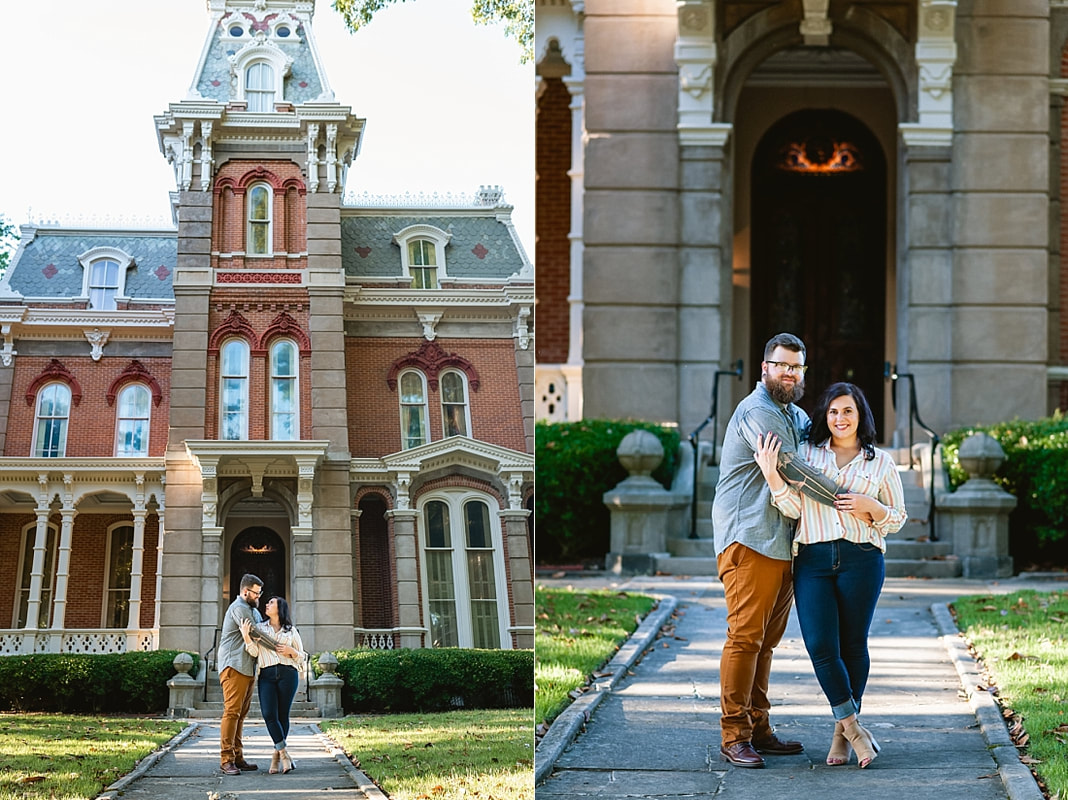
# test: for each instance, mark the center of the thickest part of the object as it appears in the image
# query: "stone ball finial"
(328, 663)
(980, 455)
(183, 662)
(640, 453)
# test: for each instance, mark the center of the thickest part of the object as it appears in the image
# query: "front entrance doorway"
(819, 249)
(259, 551)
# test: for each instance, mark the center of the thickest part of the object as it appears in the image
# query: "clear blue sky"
(447, 104)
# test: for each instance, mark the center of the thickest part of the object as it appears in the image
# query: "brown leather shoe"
(772, 745)
(742, 754)
(245, 766)
(230, 768)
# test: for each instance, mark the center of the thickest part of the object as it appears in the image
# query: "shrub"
(435, 679)
(1035, 470)
(134, 683)
(575, 464)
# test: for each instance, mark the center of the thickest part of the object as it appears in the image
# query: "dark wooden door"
(259, 551)
(818, 253)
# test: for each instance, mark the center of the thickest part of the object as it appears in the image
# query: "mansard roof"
(46, 264)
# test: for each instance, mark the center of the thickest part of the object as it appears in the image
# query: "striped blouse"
(266, 657)
(877, 478)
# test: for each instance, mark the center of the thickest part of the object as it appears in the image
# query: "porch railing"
(694, 436)
(893, 375)
(77, 640)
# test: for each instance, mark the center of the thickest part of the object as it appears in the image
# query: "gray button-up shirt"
(232, 652)
(742, 510)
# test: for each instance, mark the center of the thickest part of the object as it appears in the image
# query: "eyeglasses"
(793, 369)
(253, 591)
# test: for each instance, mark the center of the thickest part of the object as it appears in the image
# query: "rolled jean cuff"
(843, 710)
(280, 745)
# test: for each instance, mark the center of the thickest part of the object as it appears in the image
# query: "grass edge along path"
(72, 757)
(577, 633)
(445, 756)
(1021, 643)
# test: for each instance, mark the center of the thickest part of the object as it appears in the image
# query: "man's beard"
(254, 602)
(782, 393)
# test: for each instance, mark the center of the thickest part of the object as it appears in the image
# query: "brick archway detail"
(55, 371)
(234, 325)
(431, 359)
(136, 372)
(285, 325)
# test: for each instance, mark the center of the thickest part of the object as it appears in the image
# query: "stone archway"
(259, 550)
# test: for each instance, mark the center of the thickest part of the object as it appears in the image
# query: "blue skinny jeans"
(277, 688)
(836, 587)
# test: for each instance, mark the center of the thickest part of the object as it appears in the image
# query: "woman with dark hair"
(279, 675)
(838, 552)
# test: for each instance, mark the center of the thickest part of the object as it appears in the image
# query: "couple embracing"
(801, 513)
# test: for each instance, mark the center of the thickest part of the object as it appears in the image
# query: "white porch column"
(66, 533)
(33, 608)
(159, 568)
(137, 568)
(573, 368)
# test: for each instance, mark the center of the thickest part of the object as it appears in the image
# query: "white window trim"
(430, 233)
(118, 417)
(260, 49)
(27, 552)
(454, 501)
(296, 386)
(270, 221)
(87, 258)
(467, 399)
(245, 400)
(401, 404)
(37, 418)
(107, 579)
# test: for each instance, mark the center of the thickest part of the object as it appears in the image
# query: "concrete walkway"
(651, 728)
(188, 769)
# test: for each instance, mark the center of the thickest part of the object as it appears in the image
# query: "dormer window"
(259, 69)
(259, 220)
(104, 280)
(423, 254)
(259, 87)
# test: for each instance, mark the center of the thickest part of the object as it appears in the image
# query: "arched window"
(285, 397)
(29, 537)
(260, 86)
(233, 390)
(50, 423)
(414, 428)
(455, 414)
(466, 601)
(259, 220)
(423, 264)
(103, 284)
(134, 412)
(120, 570)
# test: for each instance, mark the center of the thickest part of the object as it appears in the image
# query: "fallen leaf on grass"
(1030, 760)
(33, 778)
(1019, 656)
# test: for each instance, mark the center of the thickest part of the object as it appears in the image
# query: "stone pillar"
(405, 548)
(137, 566)
(66, 533)
(514, 525)
(643, 512)
(326, 689)
(976, 516)
(182, 687)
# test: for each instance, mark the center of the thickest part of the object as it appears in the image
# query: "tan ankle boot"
(863, 742)
(840, 749)
(274, 763)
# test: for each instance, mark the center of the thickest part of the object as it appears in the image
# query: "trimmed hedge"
(575, 463)
(134, 683)
(1035, 470)
(437, 679)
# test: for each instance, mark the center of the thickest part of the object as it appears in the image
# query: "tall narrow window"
(53, 410)
(454, 412)
(423, 264)
(47, 580)
(233, 406)
(441, 587)
(103, 284)
(485, 630)
(120, 568)
(259, 221)
(259, 87)
(285, 400)
(414, 429)
(131, 433)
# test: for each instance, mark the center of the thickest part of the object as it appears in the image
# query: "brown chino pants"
(758, 591)
(237, 697)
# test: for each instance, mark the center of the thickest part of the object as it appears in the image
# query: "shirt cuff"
(781, 492)
(883, 521)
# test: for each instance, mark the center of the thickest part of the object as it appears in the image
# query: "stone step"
(693, 548)
(688, 565)
(913, 549)
(949, 567)
(214, 710)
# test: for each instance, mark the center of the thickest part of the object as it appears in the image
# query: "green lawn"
(458, 754)
(576, 634)
(1021, 640)
(56, 757)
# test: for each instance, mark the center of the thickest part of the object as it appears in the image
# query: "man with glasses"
(753, 551)
(237, 673)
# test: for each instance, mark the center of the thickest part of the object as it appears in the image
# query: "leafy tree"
(516, 15)
(8, 238)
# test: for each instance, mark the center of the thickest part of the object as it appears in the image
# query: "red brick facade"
(553, 224)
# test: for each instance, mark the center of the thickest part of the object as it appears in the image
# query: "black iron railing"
(693, 437)
(207, 660)
(892, 374)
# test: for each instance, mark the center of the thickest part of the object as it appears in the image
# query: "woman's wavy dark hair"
(818, 432)
(284, 619)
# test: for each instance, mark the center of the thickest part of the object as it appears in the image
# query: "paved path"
(656, 733)
(188, 769)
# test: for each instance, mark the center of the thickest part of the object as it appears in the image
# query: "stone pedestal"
(976, 517)
(326, 689)
(643, 512)
(182, 687)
